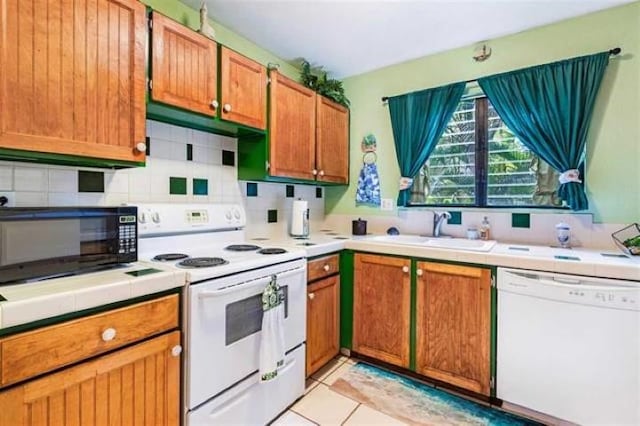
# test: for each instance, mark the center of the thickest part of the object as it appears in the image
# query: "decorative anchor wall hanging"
(368, 189)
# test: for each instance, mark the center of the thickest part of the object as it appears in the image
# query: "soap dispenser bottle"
(485, 229)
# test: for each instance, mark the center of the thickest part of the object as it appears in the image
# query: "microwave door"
(28, 241)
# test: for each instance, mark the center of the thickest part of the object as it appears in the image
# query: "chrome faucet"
(438, 219)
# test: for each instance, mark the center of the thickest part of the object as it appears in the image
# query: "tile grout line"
(351, 414)
(306, 418)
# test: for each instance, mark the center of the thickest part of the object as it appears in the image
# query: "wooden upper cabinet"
(332, 141)
(293, 127)
(453, 324)
(183, 67)
(72, 77)
(382, 308)
(243, 90)
(323, 322)
(139, 385)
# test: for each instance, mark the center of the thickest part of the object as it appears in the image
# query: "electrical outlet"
(11, 198)
(386, 204)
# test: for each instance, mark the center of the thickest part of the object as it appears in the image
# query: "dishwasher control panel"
(602, 292)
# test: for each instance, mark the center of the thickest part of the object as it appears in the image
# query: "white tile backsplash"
(6, 178)
(63, 180)
(30, 179)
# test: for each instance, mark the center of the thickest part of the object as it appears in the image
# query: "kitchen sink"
(442, 242)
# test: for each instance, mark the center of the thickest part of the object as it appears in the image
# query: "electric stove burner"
(242, 247)
(168, 257)
(202, 262)
(274, 250)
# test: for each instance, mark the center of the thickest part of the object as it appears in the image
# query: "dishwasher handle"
(566, 282)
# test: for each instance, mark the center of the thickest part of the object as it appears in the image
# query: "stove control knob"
(155, 216)
(142, 217)
(236, 213)
(228, 215)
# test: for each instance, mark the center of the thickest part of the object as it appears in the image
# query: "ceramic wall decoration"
(368, 189)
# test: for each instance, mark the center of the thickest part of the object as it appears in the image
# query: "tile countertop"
(39, 300)
(589, 262)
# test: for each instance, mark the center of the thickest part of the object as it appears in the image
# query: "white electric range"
(223, 310)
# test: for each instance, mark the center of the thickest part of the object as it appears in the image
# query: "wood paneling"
(325, 266)
(453, 325)
(243, 89)
(382, 308)
(292, 129)
(32, 353)
(135, 386)
(73, 77)
(332, 141)
(183, 66)
(323, 322)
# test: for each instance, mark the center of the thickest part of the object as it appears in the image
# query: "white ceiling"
(355, 36)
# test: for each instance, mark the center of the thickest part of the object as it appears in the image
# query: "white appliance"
(223, 310)
(569, 346)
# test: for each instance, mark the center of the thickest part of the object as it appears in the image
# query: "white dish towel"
(272, 336)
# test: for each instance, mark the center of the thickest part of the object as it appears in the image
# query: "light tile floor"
(322, 406)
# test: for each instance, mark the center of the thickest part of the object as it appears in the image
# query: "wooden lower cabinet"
(323, 322)
(382, 308)
(139, 385)
(453, 324)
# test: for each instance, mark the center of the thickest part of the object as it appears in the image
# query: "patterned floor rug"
(416, 403)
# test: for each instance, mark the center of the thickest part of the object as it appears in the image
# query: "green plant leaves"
(317, 80)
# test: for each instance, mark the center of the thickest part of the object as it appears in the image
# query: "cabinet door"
(332, 141)
(453, 324)
(243, 90)
(323, 322)
(73, 77)
(139, 385)
(381, 308)
(183, 67)
(293, 126)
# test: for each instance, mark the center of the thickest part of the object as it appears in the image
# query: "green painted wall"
(613, 153)
(191, 18)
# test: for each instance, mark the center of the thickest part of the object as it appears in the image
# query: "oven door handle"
(246, 285)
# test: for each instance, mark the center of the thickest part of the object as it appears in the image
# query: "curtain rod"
(613, 52)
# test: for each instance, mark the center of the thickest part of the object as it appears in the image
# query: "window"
(479, 162)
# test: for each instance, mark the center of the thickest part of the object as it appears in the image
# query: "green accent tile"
(272, 216)
(177, 185)
(252, 189)
(291, 190)
(520, 220)
(318, 192)
(200, 186)
(147, 141)
(456, 218)
(90, 181)
(228, 158)
(189, 152)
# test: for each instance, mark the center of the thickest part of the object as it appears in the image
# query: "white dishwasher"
(569, 346)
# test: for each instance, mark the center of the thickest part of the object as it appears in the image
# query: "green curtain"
(418, 120)
(548, 107)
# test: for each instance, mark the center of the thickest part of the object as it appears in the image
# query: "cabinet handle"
(311, 296)
(321, 173)
(226, 108)
(176, 350)
(109, 334)
(326, 268)
(314, 172)
(419, 272)
(214, 104)
(405, 269)
(141, 147)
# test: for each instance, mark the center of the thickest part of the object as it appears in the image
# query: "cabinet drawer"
(323, 267)
(29, 354)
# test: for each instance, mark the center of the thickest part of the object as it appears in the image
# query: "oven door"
(224, 324)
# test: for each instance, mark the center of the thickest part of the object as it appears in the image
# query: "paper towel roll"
(300, 219)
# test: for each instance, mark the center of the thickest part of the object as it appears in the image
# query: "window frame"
(481, 150)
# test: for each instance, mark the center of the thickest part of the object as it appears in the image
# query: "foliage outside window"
(480, 162)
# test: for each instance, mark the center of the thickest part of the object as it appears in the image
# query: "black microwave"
(40, 242)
